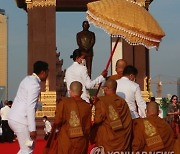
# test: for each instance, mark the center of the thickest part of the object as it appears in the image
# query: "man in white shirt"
(78, 72)
(130, 91)
(7, 133)
(21, 117)
(47, 127)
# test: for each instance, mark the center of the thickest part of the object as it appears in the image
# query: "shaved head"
(76, 88)
(120, 65)
(111, 84)
(121, 62)
(152, 108)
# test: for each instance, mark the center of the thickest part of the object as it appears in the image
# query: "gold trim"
(28, 1)
(75, 132)
(145, 84)
(40, 3)
(153, 140)
(141, 2)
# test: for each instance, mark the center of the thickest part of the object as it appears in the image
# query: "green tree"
(164, 102)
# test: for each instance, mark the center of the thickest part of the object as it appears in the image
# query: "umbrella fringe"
(127, 40)
(140, 43)
(119, 27)
(134, 3)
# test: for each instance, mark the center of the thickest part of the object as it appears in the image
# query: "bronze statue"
(86, 40)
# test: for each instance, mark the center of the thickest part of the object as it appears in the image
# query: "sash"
(153, 139)
(113, 116)
(75, 129)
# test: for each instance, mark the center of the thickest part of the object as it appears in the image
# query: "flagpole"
(108, 63)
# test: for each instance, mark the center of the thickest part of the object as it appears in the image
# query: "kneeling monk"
(72, 124)
(113, 119)
(152, 134)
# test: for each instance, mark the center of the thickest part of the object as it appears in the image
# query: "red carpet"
(13, 148)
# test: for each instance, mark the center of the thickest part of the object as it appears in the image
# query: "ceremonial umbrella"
(126, 19)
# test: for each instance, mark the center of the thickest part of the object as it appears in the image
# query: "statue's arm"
(93, 40)
(79, 42)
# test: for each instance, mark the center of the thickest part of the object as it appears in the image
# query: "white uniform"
(131, 92)
(4, 112)
(47, 127)
(78, 72)
(21, 117)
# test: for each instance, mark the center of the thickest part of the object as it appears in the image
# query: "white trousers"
(22, 133)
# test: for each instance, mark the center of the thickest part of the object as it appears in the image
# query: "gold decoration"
(141, 2)
(48, 103)
(145, 83)
(74, 120)
(47, 85)
(113, 115)
(153, 139)
(146, 95)
(115, 122)
(75, 132)
(149, 84)
(40, 3)
(28, 1)
(150, 130)
(75, 129)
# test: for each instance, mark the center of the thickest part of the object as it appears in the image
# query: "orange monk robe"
(115, 77)
(143, 128)
(113, 140)
(64, 117)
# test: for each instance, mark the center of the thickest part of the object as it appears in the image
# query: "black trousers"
(47, 136)
(7, 133)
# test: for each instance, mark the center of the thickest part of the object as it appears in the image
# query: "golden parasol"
(126, 19)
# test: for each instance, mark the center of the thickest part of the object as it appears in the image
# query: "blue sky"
(164, 62)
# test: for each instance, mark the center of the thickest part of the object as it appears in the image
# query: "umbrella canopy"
(126, 19)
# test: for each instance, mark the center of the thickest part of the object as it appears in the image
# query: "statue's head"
(85, 25)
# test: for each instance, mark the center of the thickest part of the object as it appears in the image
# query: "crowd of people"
(113, 128)
(123, 121)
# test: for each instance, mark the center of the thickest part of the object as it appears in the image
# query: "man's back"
(111, 134)
(78, 72)
(126, 89)
(131, 92)
(25, 99)
(74, 73)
